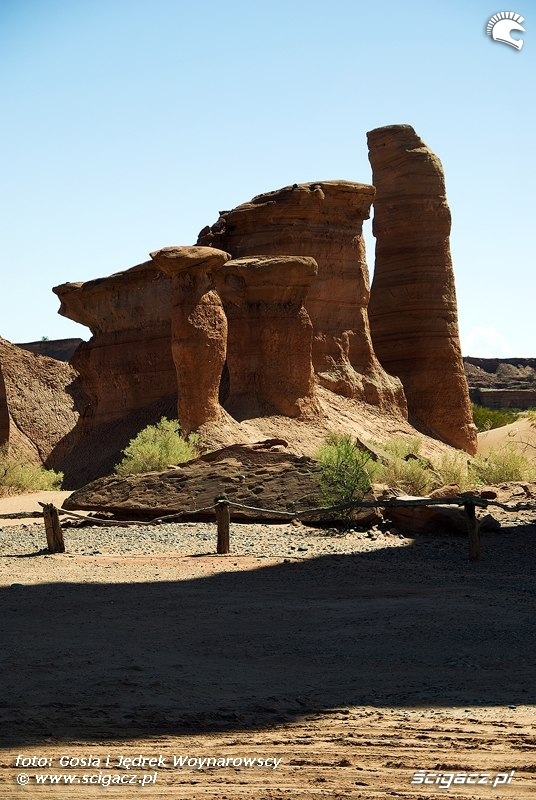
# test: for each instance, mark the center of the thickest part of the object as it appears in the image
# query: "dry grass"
(456, 469)
(19, 477)
(502, 465)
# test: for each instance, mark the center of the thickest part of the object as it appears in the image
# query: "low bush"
(411, 475)
(21, 476)
(400, 447)
(155, 447)
(502, 465)
(414, 477)
(455, 469)
(486, 419)
(346, 470)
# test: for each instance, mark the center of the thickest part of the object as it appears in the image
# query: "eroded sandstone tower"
(270, 335)
(198, 330)
(270, 309)
(322, 220)
(412, 309)
(127, 364)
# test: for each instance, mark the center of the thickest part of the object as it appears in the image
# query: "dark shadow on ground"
(417, 625)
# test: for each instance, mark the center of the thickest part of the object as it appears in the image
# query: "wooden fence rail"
(222, 508)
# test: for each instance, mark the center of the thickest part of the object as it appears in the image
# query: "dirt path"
(356, 669)
(352, 753)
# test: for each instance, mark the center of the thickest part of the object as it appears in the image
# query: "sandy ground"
(520, 434)
(356, 670)
(30, 503)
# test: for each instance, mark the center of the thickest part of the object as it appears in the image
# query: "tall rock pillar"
(126, 366)
(198, 331)
(412, 309)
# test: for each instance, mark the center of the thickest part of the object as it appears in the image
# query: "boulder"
(427, 519)
(41, 401)
(489, 524)
(198, 331)
(322, 220)
(270, 335)
(264, 475)
(412, 309)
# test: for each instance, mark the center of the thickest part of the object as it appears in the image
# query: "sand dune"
(521, 434)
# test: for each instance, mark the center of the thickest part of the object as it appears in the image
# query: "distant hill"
(502, 382)
(60, 349)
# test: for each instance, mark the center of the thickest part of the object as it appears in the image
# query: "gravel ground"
(199, 538)
(507, 554)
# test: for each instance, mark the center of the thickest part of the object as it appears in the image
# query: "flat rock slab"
(427, 519)
(263, 476)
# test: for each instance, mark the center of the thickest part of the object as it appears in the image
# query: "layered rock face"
(126, 368)
(324, 221)
(127, 364)
(198, 330)
(412, 309)
(270, 335)
(40, 403)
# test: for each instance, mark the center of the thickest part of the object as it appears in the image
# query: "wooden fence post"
(473, 529)
(223, 519)
(53, 529)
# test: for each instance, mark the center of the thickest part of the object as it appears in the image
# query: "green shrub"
(17, 477)
(346, 470)
(502, 465)
(155, 447)
(455, 468)
(486, 419)
(413, 476)
(400, 447)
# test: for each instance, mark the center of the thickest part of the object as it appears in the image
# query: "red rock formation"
(504, 398)
(127, 364)
(412, 310)
(198, 331)
(324, 221)
(40, 404)
(126, 368)
(270, 335)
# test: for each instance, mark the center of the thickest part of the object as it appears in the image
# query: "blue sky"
(128, 124)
